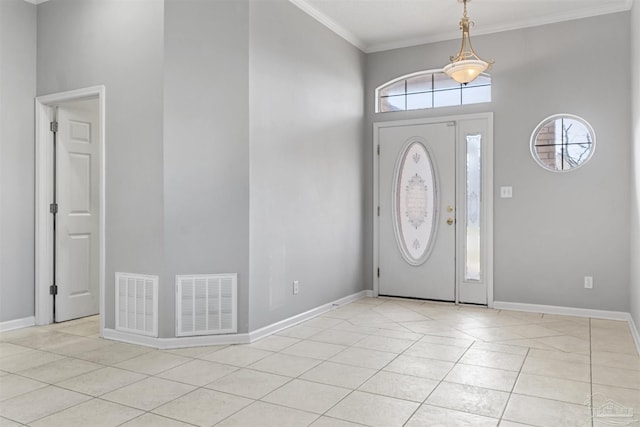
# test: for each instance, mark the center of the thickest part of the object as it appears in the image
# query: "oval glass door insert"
(415, 201)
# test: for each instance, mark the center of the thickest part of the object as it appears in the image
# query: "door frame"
(44, 106)
(487, 189)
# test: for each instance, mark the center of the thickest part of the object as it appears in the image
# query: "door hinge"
(53, 208)
(378, 149)
(378, 271)
(53, 290)
(53, 126)
(378, 210)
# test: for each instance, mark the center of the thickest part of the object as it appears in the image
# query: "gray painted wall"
(306, 92)
(558, 227)
(635, 165)
(118, 44)
(206, 143)
(17, 91)
(178, 151)
(299, 161)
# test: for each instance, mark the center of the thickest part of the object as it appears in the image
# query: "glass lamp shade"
(465, 71)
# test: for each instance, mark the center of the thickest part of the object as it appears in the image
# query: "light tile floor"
(375, 362)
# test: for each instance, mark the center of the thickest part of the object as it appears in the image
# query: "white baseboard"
(169, 343)
(10, 325)
(302, 317)
(197, 341)
(634, 333)
(565, 311)
(571, 311)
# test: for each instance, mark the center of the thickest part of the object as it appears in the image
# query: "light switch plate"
(506, 192)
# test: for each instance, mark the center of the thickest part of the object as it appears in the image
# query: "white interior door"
(77, 220)
(417, 197)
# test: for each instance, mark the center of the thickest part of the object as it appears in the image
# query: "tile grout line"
(307, 370)
(381, 370)
(239, 410)
(151, 413)
(298, 377)
(58, 411)
(439, 383)
(360, 385)
(514, 385)
(100, 397)
(64, 356)
(310, 339)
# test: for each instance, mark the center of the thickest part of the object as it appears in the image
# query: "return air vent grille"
(206, 304)
(137, 304)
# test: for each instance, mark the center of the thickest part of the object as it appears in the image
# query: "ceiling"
(375, 25)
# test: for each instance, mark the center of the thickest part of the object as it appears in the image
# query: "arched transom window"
(430, 89)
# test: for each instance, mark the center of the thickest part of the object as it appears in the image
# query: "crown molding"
(601, 9)
(330, 24)
(492, 29)
(597, 10)
(452, 35)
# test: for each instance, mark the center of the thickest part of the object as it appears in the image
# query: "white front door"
(77, 221)
(417, 197)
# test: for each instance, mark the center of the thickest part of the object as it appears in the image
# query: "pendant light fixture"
(466, 66)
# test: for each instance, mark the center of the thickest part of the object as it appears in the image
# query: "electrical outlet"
(588, 282)
(296, 287)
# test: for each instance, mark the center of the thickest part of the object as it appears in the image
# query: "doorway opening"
(70, 205)
(433, 204)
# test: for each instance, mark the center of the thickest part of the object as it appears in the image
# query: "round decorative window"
(562, 142)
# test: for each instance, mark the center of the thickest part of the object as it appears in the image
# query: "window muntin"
(562, 142)
(430, 89)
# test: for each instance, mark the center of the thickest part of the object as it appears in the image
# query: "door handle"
(450, 221)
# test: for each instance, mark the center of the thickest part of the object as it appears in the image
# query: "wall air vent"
(137, 304)
(206, 304)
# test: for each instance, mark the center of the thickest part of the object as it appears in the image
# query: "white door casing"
(45, 113)
(417, 185)
(77, 220)
(476, 288)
